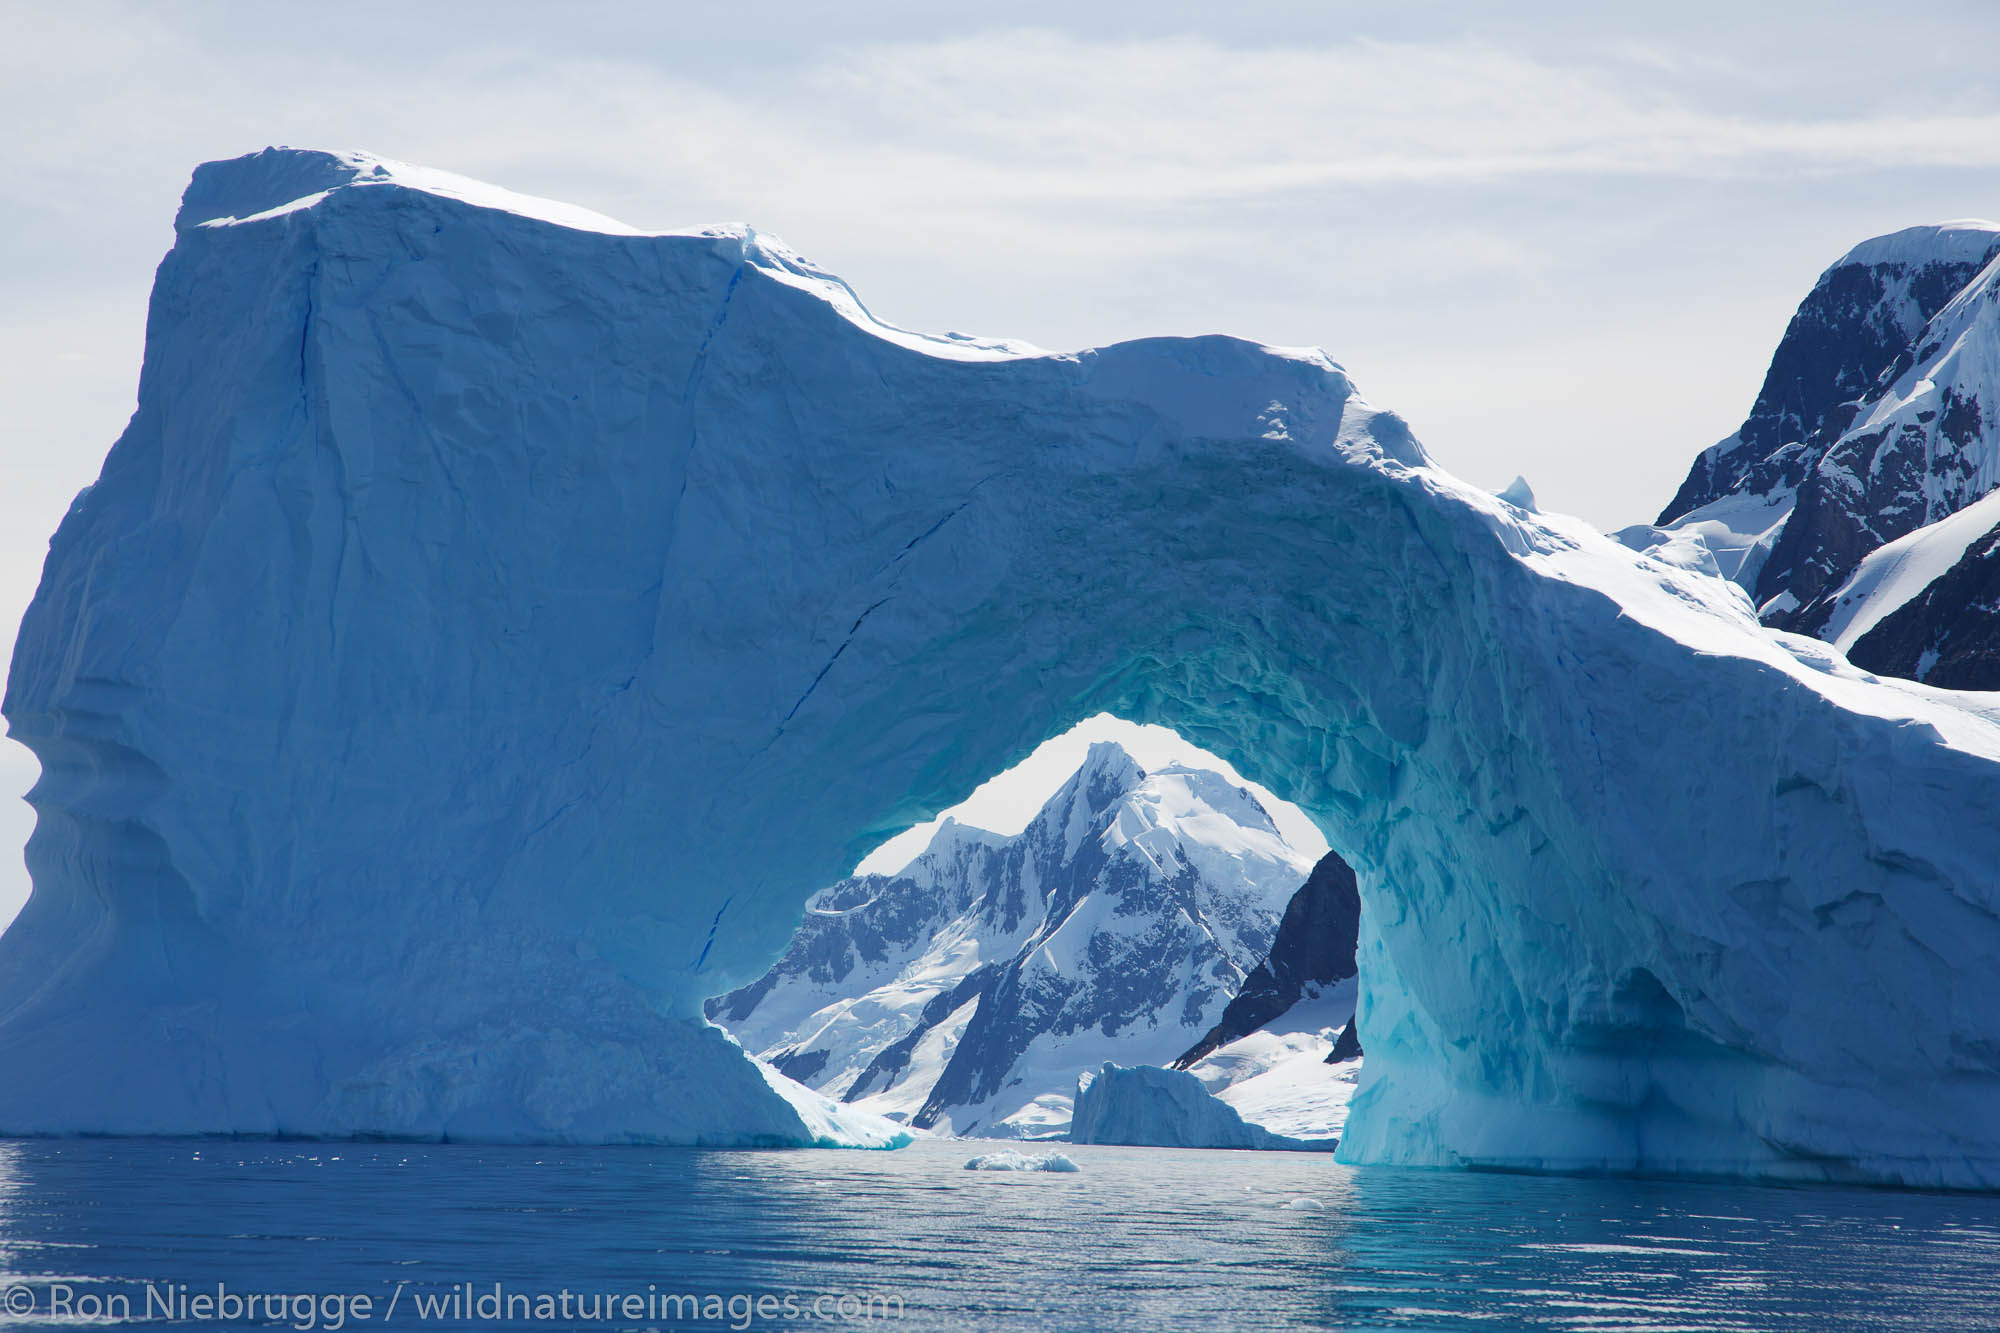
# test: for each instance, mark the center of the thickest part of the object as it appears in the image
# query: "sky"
(1560, 239)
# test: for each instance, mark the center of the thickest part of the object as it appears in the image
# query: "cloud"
(1029, 126)
(1180, 119)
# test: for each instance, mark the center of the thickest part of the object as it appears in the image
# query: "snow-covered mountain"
(968, 991)
(1838, 504)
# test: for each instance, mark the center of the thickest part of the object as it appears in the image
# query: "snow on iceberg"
(1148, 1106)
(493, 624)
(1009, 1160)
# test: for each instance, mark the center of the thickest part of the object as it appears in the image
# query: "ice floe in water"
(1009, 1160)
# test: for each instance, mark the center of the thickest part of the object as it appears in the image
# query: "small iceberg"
(1009, 1160)
(1147, 1106)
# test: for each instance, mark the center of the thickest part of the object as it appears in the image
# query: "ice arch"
(493, 622)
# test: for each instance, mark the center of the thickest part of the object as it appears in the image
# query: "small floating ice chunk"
(1009, 1160)
(1304, 1206)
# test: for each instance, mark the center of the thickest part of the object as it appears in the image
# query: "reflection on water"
(1140, 1239)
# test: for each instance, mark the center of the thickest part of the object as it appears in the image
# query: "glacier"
(495, 621)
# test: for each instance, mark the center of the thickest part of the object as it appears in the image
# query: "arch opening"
(1119, 897)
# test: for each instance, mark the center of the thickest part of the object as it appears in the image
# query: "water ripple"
(1139, 1239)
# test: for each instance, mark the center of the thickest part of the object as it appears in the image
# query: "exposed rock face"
(1314, 949)
(1348, 1047)
(973, 987)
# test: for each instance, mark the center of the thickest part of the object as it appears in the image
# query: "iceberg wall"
(494, 622)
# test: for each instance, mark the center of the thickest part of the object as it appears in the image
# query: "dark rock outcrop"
(1348, 1047)
(1314, 947)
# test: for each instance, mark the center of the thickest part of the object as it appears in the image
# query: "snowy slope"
(488, 628)
(968, 991)
(1302, 1097)
(1889, 576)
(1948, 634)
(1283, 1077)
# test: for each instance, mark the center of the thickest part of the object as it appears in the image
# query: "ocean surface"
(359, 1236)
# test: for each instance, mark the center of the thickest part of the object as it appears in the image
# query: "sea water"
(360, 1236)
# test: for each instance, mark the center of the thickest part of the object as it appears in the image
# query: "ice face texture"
(494, 624)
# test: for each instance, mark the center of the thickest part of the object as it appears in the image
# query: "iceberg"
(1009, 1160)
(494, 622)
(1147, 1106)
